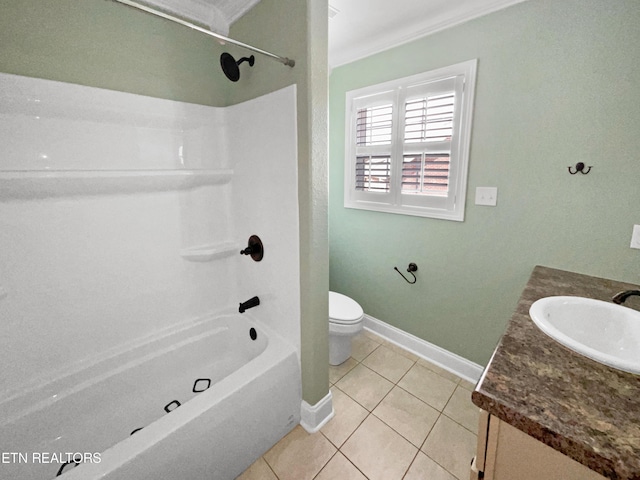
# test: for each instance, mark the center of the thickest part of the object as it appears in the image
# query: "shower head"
(230, 66)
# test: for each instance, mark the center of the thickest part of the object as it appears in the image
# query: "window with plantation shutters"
(425, 174)
(373, 125)
(428, 131)
(429, 119)
(408, 144)
(373, 173)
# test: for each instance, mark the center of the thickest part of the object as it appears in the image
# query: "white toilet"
(346, 318)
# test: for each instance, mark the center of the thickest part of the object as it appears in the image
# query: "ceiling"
(357, 28)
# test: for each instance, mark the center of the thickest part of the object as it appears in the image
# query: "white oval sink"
(602, 331)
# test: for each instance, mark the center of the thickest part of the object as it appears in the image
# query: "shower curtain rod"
(284, 60)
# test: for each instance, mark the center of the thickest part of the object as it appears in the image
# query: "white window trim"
(392, 202)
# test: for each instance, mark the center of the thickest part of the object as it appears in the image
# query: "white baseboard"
(314, 417)
(451, 362)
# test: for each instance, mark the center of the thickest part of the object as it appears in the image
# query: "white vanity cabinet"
(506, 453)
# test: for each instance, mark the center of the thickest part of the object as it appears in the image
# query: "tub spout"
(252, 302)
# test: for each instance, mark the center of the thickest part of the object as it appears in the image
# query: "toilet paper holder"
(411, 268)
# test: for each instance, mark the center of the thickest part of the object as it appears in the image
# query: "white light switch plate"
(487, 196)
(635, 237)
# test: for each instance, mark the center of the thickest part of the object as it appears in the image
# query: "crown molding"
(430, 26)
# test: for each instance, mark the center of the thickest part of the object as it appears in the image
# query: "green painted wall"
(103, 44)
(298, 29)
(558, 83)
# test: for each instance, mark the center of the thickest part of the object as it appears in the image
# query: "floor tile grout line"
(426, 403)
(440, 465)
(359, 425)
(449, 399)
(270, 467)
(418, 449)
(401, 435)
(428, 364)
(410, 464)
(357, 363)
(365, 357)
(440, 411)
(354, 430)
(355, 466)
(453, 419)
(371, 412)
(429, 456)
(403, 375)
(332, 443)
(347, 439)
(409, 355)
(430, 430)
(349, 436)
(416, 362)
(456, 382)
(384, 396)
(372, 370)
(458, 423)
(327, 463)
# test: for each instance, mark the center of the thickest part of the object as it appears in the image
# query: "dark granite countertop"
(585, 410)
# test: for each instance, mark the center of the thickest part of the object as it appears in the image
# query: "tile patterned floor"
(396, 417)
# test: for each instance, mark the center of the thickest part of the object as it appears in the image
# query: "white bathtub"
(252, 400)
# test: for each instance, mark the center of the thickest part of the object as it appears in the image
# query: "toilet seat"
(344, 310)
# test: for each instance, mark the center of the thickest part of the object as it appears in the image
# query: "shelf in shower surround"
(206, 253)
(31, 184)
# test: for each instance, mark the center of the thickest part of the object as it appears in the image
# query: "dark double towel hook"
(580, 167)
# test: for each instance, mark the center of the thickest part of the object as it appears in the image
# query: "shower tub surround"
(121, 222)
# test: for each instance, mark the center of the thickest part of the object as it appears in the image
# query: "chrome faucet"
(619, 298)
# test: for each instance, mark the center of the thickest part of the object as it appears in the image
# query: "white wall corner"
(314, 417)
(451, 362)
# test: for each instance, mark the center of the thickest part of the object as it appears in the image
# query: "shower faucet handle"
(254, 248)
